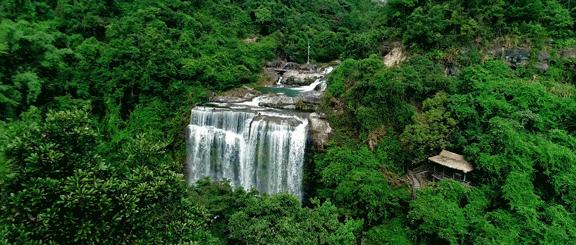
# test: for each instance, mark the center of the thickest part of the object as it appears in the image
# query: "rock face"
(516, 57)
(274, 64)
(320, 129)
(394, 57)
(291, 66)
(292, 74)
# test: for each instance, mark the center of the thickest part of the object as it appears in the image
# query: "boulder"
(542, 64)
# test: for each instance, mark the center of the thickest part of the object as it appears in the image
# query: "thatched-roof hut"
(452, 166)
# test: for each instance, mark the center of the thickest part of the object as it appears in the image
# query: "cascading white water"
(261, 150)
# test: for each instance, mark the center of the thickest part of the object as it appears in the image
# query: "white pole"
(308, 62)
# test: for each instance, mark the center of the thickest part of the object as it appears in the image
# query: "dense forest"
(94, 97)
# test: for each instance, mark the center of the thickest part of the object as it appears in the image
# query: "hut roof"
(452, 160)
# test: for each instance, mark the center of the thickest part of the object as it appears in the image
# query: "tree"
(279, 219)
(62, 190)
(432, 129)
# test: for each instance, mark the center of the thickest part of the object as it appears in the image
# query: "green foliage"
(280, 220)
(62, 190)
(393, 232)
(438, 213)
(518, 145)
(443, 24)
(29, 49)
(367, 84)
(514, 127)
(352, 179)
(431, 130)
(94, 96)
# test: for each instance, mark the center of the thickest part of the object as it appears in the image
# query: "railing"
(421, 169)
(441, 175)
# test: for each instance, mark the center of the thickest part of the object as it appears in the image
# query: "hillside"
(95, 97)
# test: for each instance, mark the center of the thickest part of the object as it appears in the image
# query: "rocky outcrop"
(320, 129)
(517, 57)
(514, 56)
(395, 56)
(299, 78)
(292, 74)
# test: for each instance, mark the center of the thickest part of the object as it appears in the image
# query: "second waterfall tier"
(253, 149)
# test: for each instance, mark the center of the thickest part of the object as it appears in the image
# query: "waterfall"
(253, 149)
